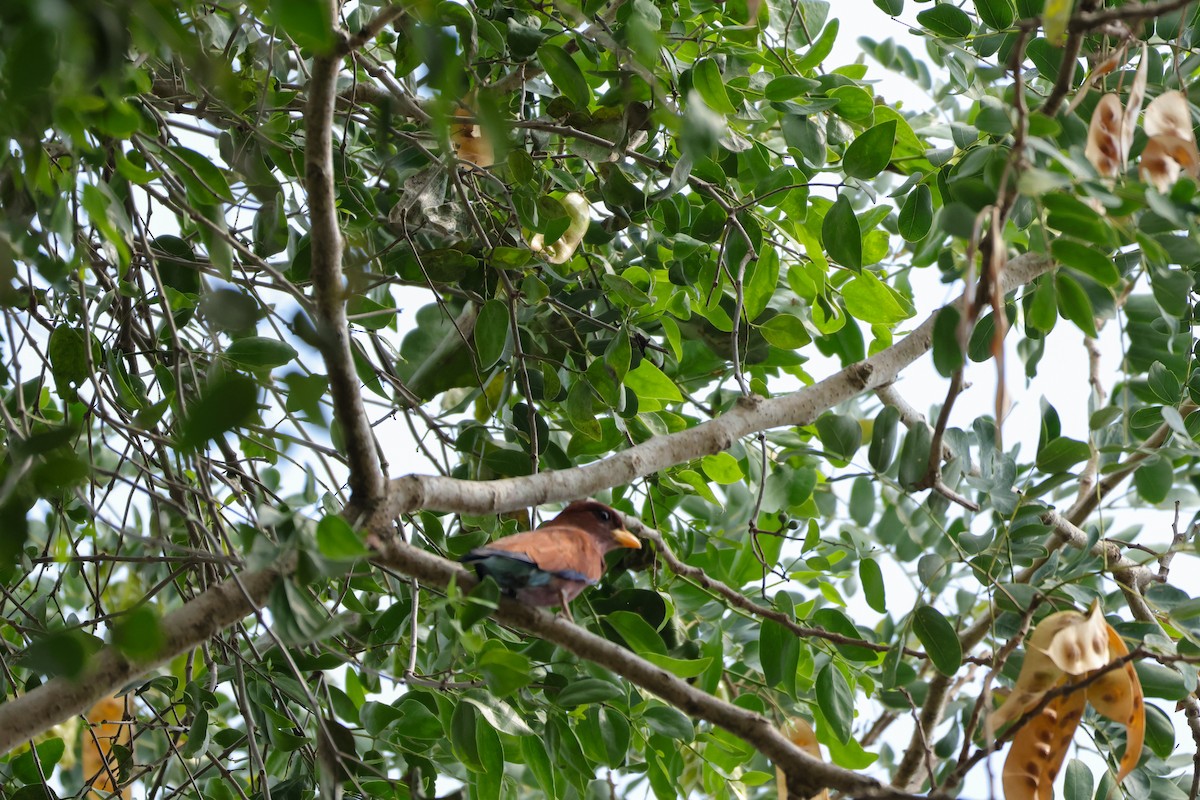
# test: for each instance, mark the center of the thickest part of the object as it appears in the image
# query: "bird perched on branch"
(553, 564)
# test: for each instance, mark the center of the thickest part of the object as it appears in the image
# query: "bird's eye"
(604, 516)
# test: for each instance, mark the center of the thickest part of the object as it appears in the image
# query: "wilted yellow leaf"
(1064, 642)
(470, 142)
(1055, 16)
(105, 730)
(1038, 749)
(1117, 694)
(802, 735)
(580, 214)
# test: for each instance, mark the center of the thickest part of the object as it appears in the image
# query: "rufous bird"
(551, 565)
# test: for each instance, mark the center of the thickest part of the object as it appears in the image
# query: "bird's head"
(602, 522)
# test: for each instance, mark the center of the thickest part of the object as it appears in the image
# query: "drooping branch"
(366, 478)
(196, 621)
(750, 415)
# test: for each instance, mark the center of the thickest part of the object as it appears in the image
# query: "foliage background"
(210, 212)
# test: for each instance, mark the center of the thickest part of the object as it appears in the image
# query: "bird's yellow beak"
(627, 539)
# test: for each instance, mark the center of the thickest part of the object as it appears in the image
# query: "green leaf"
(228, 402)
(914, 456)
(884, 438)
(778, 651)
(997, 14)
(946, 21)
(533, 753)
(260, 352)
(506, 670)
(1073, 304)
(841, 234)
(49, 753)
(137, 633)
(1160, 732)
(821, 48)
(308, 22)
(722, 468)
(871, 300)
(785, 331)
(836, 701)
(492, 333)
(840, 435)
(1088, 260)
(68, 356)
(1078, 783)
(637, 633)
(1160, 681)
(685, 668)
(916, 215)
(565, 74)
(892, 8)
(862, 500)
(869, 154)
(1060, 454)
(198, 735)
(938, 638)
(947, 353)
(670, 722)
(588, 690)
(63, 653)
(648, 382)
(871, 577)
(205, 181)
(706, 78)
(787, 87)
(337, 541)
(1154, 479)
(1163, 383)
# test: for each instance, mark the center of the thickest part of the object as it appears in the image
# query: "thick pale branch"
(185, 627)
(752, 414)
(203, 617)
(366, 478)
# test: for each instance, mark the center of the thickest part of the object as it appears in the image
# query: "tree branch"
(107, 671)
(806, 774)
(201, 618)
(366, 478)
(750, 415)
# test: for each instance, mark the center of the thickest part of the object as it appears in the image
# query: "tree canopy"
(302, 301)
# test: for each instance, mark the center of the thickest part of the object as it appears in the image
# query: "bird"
(552, 564)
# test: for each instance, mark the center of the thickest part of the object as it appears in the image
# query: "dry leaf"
(1104, 149)
(105, 730)
(1165, 158)
(1038, 749)
(470, 142)
(1117, 694)
(1171, 149)
(1137, 93)
(560, 252)
(1064, 642)
(1064, 647)
(1168, 114)
(1081, 647)
(802, 735)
